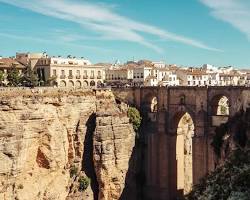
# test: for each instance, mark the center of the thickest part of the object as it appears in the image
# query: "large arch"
(184, 154)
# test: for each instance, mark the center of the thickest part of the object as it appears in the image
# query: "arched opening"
(54, 84)
(85, 84)
(220, 106)
(223, 106)
(184, 158)
(62, 84)
(78, 84)
(154, 105)
(92, 83)
(71, 84)
(99, 84)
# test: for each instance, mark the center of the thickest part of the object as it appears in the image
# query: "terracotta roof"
(10, 62)
(196, 72)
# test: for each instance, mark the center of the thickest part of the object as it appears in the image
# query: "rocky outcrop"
(50, 139)
(113, 147)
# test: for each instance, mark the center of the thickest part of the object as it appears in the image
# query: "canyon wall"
(51, 139)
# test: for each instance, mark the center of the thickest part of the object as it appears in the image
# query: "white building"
(69, 72)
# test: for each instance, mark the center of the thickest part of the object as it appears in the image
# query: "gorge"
(55, 141)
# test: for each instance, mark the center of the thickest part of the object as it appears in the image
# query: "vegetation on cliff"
(231, 181)
(135, 118)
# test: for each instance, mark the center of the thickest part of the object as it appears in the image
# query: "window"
(78, 72)
(54, 72)
(188, 82)
(92, 73)
(85, 73)
(55, 61)
(141, 75)
(62, 72)
(99, 74)
(70, 72)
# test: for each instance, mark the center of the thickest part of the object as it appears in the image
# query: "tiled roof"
(196, 72)
(10, 62)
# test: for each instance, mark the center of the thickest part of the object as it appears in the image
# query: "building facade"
(69, 72)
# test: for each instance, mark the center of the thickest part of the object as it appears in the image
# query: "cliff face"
(50, 139)
(231, 179)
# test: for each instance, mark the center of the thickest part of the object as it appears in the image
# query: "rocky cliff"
(53, 141)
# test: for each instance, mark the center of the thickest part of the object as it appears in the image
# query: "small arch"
(71, 84)
(99, 83)
(78, 84)
(63, 84)
(154, 105)
(220, 105)
(54, 84)
(85, 84)
(92, 83)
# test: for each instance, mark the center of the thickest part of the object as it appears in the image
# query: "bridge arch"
(184, 153)
(150, 102)
(220, 105)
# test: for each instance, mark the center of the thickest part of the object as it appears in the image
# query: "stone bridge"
(179, 123)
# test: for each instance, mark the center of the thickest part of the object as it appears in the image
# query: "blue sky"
(185, 32)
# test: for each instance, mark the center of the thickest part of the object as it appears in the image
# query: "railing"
(85, 76)
(99, 77)
(92, 77)
(78, 76)
(62, 77)
(70, 77)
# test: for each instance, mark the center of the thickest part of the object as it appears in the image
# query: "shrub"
(20, 186)
(83, 183)
(73, 171)
(135, 118)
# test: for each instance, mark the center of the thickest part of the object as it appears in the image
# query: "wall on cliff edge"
(46, 133)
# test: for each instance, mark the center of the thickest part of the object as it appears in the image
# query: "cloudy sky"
(189, 32)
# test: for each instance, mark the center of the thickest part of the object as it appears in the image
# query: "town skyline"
(124, 31)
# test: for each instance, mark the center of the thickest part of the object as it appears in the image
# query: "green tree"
(13, 77)
(83, 183)
(30, 78)
(135, 118)
(1, 77)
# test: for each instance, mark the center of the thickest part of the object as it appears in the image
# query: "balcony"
(92, 77)
(62, 77)
(99, 77)
(85, 76)
(78, 76)
(70, 77)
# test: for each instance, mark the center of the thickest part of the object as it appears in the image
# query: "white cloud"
(55, 39)
(102, 19)
(234, 12)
